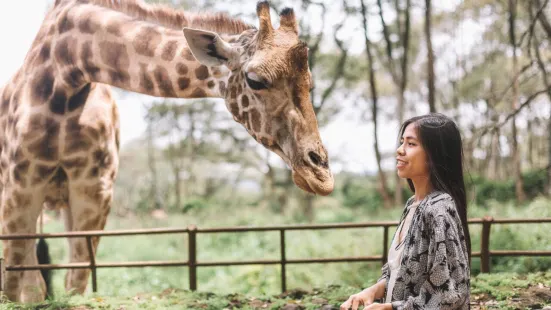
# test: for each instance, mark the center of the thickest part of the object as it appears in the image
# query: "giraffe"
(59, 122)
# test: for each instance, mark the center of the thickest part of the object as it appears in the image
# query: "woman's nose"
(400, 150)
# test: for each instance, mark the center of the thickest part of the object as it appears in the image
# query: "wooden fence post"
(283, 261)
(2, 275)
(192, 260)
(485, 244)
(385, 245)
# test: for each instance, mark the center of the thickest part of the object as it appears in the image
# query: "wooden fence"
(192, 231)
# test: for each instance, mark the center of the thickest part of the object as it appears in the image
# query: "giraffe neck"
(98, 44)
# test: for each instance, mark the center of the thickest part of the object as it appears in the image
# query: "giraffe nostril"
(316, 159)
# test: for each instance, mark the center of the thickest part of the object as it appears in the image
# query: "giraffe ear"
(209, 48)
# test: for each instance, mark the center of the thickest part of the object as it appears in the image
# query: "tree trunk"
(430, 57)
(383, 189)
(153, 193)
(519, 186)
(494, 157)
(547, 84)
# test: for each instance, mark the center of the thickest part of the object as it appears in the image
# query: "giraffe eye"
(254, 83)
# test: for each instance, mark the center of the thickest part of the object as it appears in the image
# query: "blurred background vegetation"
(383, 61)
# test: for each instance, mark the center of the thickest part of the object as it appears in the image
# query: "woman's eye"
(254, 84)
(411, 144)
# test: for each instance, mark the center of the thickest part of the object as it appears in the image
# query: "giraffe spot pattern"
(88, 25)
(146, 83)
(211, 84)
(182, 69)
(202, 72)
(42, 86)
(163, 82)
(42, 173)
(245, 101)
(183, 83)
(114, 55)
(187, 55)
(76, 140)
(65, 23)
(79, 99)
(198, 93)
(65, 51)
(169, 50)
(46, 148)
(255, 120)
(87, 56)
(222, 88)
(146, 41)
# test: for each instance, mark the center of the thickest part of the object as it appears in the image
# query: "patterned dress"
(434, 271)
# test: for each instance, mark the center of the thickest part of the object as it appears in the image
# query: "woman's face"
(411, 158)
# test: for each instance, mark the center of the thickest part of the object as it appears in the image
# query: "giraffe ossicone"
(59, 125)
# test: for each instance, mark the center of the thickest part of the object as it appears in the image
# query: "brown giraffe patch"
(5, 102)
(202, 72)
(93, 172)
(186, 53)
(74, 77)
(65, 23)
(16, 154)
(245, 119)
(182, 69)
(234, 108)
(255, 120)
(216, 72)
(163, 82)
(75, 140)
(222, 88)
(183, 83)
(198, 93)
(42, 86)
(20, 199)
(169, 50)
(114, 55)
(76, 162)
(233, 93)
(147, 41)
(44, 54)
(87, 56)
(42, 173)
(244, 101)
(79, 99)
(46, 147)
(211, 84)
(20, 170)
(58, 102)
(146, 83)
(65, 51)
(88, 25)
(114, 27)
(91, 192)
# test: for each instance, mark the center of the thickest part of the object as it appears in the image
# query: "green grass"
(489, 291)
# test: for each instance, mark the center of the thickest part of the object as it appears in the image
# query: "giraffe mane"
(174, 18)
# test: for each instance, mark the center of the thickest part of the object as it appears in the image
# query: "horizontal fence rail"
(485, 253)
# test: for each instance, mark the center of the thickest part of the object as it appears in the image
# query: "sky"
(348, 135)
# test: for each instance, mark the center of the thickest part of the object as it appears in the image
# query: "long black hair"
(441, 140)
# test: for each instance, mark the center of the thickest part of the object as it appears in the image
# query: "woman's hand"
(363, 298)
(377, 306)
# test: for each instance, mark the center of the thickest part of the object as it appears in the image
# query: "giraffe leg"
(89, 205)
(20, 211)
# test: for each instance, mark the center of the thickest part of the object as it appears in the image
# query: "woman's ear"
(209, 49)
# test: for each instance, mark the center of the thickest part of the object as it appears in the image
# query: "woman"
(429, 258)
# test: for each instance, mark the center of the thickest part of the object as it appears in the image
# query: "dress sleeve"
(447, 283)
(385, 273)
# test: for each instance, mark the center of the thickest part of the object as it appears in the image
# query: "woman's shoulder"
(439, 203)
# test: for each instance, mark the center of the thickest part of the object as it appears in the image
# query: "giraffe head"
(268, 92)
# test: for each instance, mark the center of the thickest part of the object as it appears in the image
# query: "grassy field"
(490, 291)
(265, 280)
